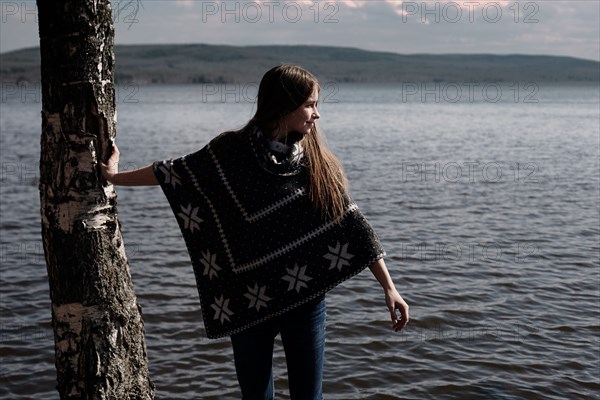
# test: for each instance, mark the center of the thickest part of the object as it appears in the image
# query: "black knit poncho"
(257, 245)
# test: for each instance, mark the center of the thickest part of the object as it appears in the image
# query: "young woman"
(270, 228)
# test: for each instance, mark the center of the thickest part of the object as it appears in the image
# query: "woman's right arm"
(138, 177)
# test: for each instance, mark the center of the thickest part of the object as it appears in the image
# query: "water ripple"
(501, 271)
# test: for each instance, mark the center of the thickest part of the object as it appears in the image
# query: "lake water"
(486, 201)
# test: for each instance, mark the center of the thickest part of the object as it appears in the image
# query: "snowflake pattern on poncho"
(257, 245)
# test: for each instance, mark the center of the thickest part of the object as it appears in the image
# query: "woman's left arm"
(393, 299)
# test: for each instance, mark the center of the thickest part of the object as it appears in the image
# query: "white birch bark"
(98, 328)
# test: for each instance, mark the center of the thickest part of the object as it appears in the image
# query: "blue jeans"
(303, 336)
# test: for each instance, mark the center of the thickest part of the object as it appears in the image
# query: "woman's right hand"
(111, 168)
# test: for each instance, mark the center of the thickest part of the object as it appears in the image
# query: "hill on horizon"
(202, 63)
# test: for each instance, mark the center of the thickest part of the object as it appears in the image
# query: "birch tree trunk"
(98, 329)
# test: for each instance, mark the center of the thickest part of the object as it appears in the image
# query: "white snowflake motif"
(338, 255)
(210, 264)
(190, 217)
(297, 278)
(170, 175)
(257, 297)
(221, 307)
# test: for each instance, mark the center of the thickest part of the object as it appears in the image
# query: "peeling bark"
(98, 328)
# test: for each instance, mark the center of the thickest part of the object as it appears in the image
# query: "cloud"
(187, 4)
(557, 27)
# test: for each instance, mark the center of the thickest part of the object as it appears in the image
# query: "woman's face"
(302, 119)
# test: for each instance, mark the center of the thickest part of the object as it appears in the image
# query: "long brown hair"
(282, 90)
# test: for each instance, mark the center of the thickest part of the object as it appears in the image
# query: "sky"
(548, 27)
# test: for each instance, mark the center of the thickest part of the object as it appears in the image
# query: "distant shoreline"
(28, 48)
(214, 64)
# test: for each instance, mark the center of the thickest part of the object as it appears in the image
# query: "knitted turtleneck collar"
(276, 157)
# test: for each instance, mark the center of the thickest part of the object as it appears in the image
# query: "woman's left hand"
(395, 302)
